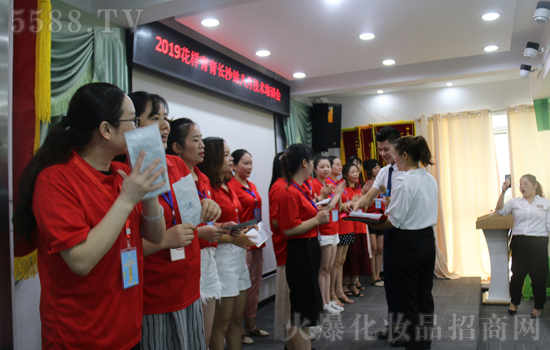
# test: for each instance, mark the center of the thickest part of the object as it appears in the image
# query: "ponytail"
(277, 171)
(532, 179)
(416, 147)
(286, 167)
(91, 105)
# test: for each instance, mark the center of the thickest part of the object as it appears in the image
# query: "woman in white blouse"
(412, 214)
(531, 214)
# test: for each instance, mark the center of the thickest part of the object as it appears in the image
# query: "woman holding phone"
(90, 219)
(231, 250)
(531, 214)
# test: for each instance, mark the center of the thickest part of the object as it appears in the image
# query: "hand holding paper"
(210, 210)
(148, 138)
(243, 241)
(259, 234)
(136, 185)
(211, 233)
(179, 236)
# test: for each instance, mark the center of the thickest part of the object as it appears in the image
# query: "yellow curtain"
(442, 270)
(528, 148)
(466, 171)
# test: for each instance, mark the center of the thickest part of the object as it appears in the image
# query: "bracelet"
(156, 217)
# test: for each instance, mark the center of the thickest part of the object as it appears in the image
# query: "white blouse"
(382, 177)
(529, 219)
(414, 201)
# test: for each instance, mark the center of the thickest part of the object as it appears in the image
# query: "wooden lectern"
(496, 228)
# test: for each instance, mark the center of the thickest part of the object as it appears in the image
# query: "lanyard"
(308, 186)
(305, 195)
(252, 194)
(105, 192)
(202, 195)
(331, 180)
(168, 199)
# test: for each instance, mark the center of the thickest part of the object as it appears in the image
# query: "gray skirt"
(181, 330)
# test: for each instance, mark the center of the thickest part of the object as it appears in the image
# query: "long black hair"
(213, 160)
(140, 99)
(91, 105)
(277, 171)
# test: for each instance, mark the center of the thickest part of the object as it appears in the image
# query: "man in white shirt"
(385, 178)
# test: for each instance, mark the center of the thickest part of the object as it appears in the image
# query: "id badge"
(177, 254)
(258, 214)
(334, 215)
(130, 272)
(378, 204)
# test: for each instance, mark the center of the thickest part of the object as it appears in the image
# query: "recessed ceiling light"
(449, 84)
(490, 48)
(210, 22)
(366, 36)
(491, 16)
(380, 91)
(299, 75)
(263, 53)
(388, 62)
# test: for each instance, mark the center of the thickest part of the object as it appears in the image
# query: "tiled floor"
(457, 306)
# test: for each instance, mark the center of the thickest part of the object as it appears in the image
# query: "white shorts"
(332, 240)
(211, 288)
(232, 269)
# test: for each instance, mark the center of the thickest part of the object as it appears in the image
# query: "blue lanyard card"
(130, 272)
(258, 214)
(334, 215)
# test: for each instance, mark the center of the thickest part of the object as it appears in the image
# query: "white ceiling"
(432, 41)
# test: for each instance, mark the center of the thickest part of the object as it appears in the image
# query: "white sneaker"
(336, 306)
(315, 332)
(330, 311)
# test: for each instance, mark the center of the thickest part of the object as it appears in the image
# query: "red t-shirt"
(332, 227)
(296, 206)
(204, 190)
(278, 238)
(229, 205)
(171, 285)
(248, 202)
(92, 311)
(358, 227)
(345, 226)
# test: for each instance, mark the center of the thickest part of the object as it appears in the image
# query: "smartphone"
(508, 178)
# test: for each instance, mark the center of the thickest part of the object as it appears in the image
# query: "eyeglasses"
(393, 155)
(136, 121)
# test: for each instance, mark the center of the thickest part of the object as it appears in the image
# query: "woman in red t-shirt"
(231, 250)
(172, 268)
(251, 203)
(299, 219)
(372, 167)
(357, 256)
(90, 220)
(324, 188)
(185, 141)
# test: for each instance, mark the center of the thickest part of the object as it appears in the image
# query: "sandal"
(358, 285)
(357, 293)
(343, 298)
(257, 332)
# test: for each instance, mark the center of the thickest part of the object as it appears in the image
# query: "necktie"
(389, 181)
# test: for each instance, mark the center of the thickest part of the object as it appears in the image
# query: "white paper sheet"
(358, 214)
(148, 138)
(262, 235)
(189, 203)
(323, 202)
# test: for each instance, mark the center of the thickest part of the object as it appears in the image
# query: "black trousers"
(302, 275)
(389, 283)
(413, 258)
(529, 256)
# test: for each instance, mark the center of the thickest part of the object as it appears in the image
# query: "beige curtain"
(466, 171)
(528, 148)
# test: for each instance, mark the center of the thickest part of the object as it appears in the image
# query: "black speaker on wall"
(326, 120)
